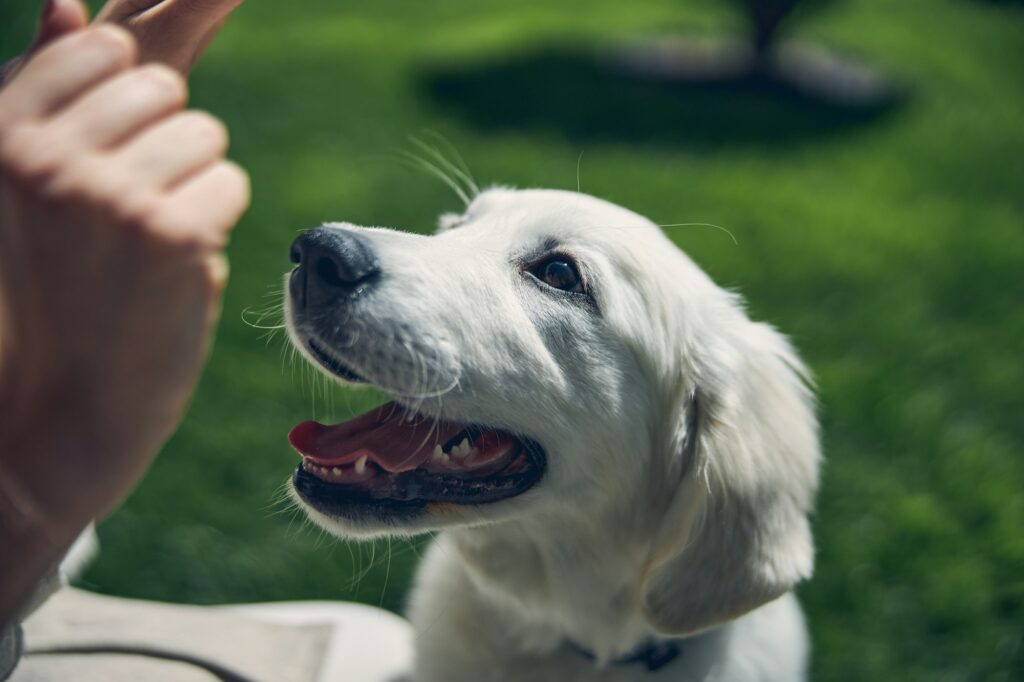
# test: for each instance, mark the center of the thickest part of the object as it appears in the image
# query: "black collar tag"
(659, 654)
(653, 654)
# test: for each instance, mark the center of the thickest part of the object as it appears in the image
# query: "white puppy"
(622, 462)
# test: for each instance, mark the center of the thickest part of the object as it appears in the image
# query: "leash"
(654, 654)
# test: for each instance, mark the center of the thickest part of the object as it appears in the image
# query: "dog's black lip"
(336, 367)
(412, 491)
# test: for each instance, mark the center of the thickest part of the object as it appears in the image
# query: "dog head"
(552, 354)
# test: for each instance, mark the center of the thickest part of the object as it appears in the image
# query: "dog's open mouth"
(391, 459)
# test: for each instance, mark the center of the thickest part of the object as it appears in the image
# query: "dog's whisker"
(456, 155)
(458, 168)
(579, 161)
(431, 169)
(664, 225)
(712, 225)
(387, 576)
(455, 175)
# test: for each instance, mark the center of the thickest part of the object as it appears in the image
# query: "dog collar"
(655, 654)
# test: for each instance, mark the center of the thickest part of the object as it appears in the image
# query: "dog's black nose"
(332, 263)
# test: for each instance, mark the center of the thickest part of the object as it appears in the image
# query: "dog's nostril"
(332, 262)
(327, 271)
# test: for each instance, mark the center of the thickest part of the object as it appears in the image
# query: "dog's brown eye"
(560, 273)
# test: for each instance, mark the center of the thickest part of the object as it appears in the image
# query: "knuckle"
(168, 220)
(104, 187)
(117, 43)
(85, 179)
(233, 190)
(26, 153)
(208, 127)
(181, 226)
(167, 83)
(188, 229)
(139, 210)
(216, 272)
(239, 180)
(16, 142)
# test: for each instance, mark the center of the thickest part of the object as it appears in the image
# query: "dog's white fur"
(681, 439)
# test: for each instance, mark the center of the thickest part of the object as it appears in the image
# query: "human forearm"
(115, 207)
(34, 532)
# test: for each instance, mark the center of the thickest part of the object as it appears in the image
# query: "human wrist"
(33, 538)
(33, 484)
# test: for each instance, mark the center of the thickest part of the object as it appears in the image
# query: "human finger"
(64, 70)
(208, 205)
(115, 110)
(173, 150)
(201, 12)
(58, 19)
(174, 32)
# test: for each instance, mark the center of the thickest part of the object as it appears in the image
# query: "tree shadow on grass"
(587, 98)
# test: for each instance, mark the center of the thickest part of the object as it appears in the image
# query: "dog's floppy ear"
(449, 221)
(735, 533)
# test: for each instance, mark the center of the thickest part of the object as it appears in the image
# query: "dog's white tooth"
(361, 465)
(336, 471)
(438, 452)
(462, 449)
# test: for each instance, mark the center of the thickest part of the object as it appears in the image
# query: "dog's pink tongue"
(380, 434)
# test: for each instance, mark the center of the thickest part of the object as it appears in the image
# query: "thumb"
(59, 18)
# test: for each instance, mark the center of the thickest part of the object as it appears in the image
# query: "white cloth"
(92, 638)
(367, 644)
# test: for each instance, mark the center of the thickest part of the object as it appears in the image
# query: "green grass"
(891, 249)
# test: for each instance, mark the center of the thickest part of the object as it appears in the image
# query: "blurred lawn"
(891, 250)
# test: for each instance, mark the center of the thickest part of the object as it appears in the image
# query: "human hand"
(174, 32)
(115, 206)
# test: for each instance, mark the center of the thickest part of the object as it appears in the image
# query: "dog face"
(552, 355)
